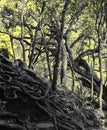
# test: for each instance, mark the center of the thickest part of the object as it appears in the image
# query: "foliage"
(32, 30)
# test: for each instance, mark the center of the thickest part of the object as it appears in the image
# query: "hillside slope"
(27, 103)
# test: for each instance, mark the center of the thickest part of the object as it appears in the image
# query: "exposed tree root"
(27, 103)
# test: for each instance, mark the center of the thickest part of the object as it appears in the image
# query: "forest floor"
(27, 103)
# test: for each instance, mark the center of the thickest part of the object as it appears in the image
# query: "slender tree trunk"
(22, 30)
(47, 55)
(99, 26)
(92, 84)
(70, 63)
(58, 54)
(12, 46)
(101, 76)
(92, 66)
(64, 67)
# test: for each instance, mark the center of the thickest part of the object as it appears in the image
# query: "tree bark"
(64, 67)
(59, 40)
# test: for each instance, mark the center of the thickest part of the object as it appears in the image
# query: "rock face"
(27, 103)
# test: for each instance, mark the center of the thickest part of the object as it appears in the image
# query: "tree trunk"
(59, 40)
(64, 67)
(101, 76)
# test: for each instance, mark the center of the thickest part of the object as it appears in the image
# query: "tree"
(62, 37)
